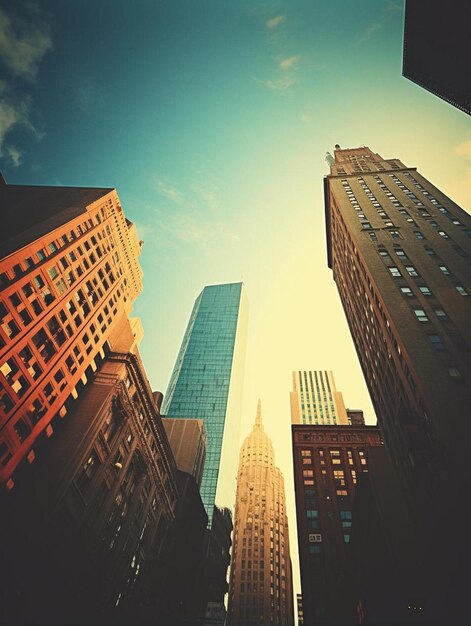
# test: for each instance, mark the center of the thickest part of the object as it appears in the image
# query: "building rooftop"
(29, 212)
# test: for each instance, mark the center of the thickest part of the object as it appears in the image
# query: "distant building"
(400, 252)
(260, 588)
(299, 603)
(187, 438)
(89, 481)
(327, 461)
(438, 68)
(315, 400)
(206, 382)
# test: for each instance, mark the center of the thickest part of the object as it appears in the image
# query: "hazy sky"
(212, 119)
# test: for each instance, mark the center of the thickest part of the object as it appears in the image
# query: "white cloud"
(12, 114)
(278, 84)
(289, 62)
(167, 190)
(275, 21)
(22, 46)
(14, 155)
(370, 31)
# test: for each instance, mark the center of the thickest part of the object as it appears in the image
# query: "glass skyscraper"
(206, 383)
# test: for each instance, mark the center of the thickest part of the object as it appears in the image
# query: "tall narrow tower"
(400, 251)
(260, 587)
(206, 383)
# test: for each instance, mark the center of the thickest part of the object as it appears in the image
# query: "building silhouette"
(260, 588)
(400, 252)
(438, 68)
(88, 479)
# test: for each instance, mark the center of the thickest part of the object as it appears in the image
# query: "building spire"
(258, 418)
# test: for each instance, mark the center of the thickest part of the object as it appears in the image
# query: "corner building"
(400, 251)
(260, 587)
(88, 478)
(68, 269)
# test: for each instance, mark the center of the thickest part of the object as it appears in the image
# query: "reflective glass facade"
(204, 374)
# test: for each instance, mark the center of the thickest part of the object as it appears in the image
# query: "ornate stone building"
(260, 586)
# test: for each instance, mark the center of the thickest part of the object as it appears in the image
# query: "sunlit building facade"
(206, 383)
(315, 399)
(260, 586)
(89, 488)
(68, 270)
(400, 251)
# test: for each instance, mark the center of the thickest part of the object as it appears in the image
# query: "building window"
(394, 234)
(411, 270)
(395, 271)
(440, 313)
(454, 372)
(445, 270)
(436, 342)
(407, 291)
(425, 290)
(418, 234)
(443, 234)
(420, 314)
(461, 290)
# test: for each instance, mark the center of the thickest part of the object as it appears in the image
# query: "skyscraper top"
(32, 211)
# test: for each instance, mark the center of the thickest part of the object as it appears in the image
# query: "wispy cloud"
(289, 62)
(15, 155)
(278, 84)
(275, 21)
(370, 31)
(167, 190)
(23, 45)
(383, 18)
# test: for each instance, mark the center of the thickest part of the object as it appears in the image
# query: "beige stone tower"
(260, 588)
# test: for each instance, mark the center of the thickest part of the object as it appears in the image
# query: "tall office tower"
(206, 383)
(260, 585)
(88, 475)
(439, 69)
(299, 603)
(68, 271)
(400, 253)
(327, 461)
(315, 400)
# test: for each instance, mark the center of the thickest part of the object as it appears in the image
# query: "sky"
(212, 120)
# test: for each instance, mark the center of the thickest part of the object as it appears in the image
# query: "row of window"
(40, 255)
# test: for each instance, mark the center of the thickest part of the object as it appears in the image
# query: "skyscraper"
(68, 271)
(88, 478)
(260, 588)
(315, 400)
(206, 383)
(438, 68)
(400, 252)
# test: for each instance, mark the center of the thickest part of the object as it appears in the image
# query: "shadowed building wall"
(400, 251)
